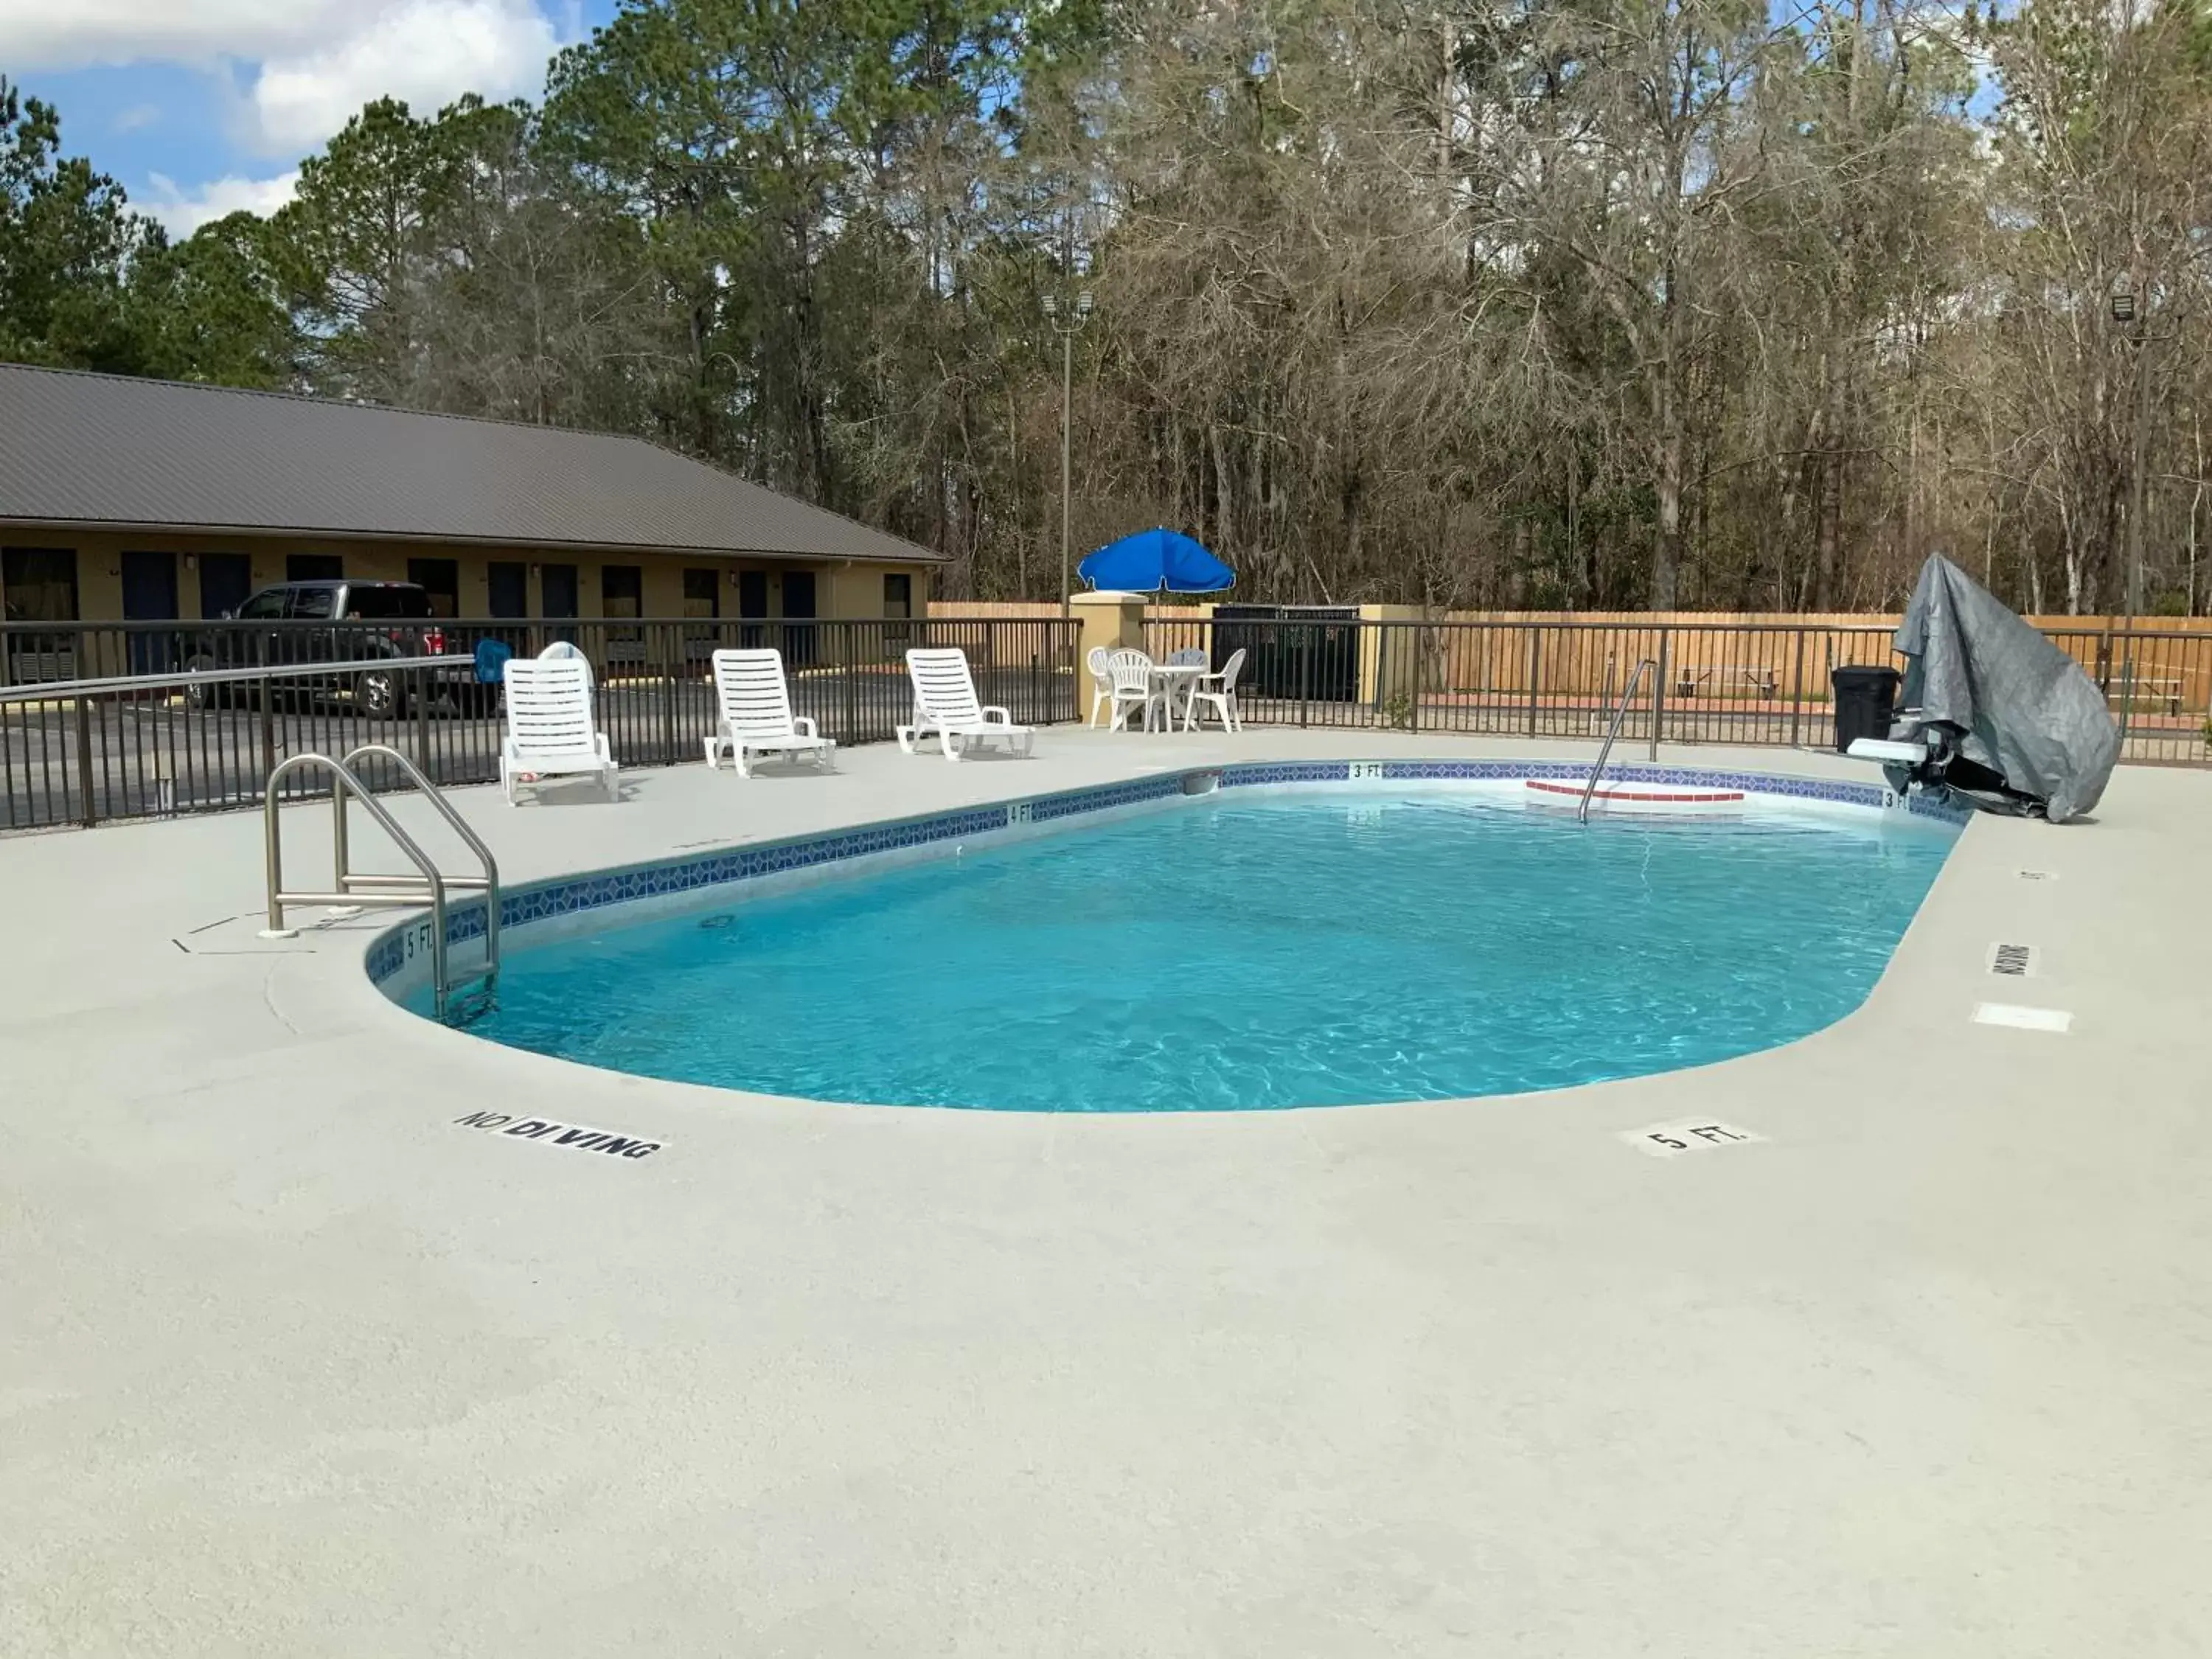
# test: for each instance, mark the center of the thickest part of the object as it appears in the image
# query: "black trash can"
(1866, 703)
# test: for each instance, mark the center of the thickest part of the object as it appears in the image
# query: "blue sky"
(200, 107)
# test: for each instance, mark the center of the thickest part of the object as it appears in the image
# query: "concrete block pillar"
(1112, 620)
(1390, 662)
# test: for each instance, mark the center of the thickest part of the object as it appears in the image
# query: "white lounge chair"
(1218, 692)
(549, 730)
(945, 702)
(756, 714)
(1131, 675)
(1101, 684)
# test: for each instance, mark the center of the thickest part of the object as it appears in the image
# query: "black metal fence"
(84, 758)
(1718, 683)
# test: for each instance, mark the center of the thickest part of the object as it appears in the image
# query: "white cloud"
(41, 35)
(426, 52)
(183, 212)
(309, 64)
(137, 116)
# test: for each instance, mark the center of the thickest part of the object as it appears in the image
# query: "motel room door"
(149, 594)
(226, 579)
(799, 633)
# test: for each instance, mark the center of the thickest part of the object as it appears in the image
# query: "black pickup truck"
(342, 621)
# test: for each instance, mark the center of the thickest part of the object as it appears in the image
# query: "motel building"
(137, 501)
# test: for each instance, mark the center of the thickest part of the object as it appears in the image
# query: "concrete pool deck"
(295, 1366)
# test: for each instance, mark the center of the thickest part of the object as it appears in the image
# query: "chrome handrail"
(474, 842)
(1619, 714)
(427, 886)
(43, 690)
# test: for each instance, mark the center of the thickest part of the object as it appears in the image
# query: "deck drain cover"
(2038, 875)
(2012, 960)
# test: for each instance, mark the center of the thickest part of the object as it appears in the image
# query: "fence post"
(1659, 690)
(1535, 670)
(1419, 678)
(88, 804)
(425, 757)
(669, 661)
(264, 700)
(1797, 688)
(850, 734)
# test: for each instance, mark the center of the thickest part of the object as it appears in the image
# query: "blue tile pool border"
(562, 896)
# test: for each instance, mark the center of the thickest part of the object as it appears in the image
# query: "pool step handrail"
(487, 883)
(427, 885)
(1620, 713)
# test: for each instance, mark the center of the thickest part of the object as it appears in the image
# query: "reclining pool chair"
(945, 702)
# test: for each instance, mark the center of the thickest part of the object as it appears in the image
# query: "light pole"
(2130, 316)
(2126, 313)
(1067, 323)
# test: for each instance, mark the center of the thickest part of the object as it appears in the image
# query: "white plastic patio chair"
(945, 702)
(756, 717)
(1131, 674)
(549, 730)
(1101, 684)
(1217, 692)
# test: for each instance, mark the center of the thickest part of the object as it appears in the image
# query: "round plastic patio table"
(1176, 680)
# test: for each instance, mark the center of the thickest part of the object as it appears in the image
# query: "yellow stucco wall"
(842, 590)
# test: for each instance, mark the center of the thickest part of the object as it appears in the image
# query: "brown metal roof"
(102, 449)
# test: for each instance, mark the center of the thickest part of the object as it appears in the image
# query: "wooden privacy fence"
(1744, 681)
(2156, 671)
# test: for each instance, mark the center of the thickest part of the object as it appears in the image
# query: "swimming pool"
(1252, 951)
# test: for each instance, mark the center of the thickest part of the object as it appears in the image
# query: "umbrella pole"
(1067, 476)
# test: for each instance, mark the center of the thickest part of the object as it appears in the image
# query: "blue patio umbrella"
(1155, 559)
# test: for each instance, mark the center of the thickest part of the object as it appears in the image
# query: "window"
(752, 592)
(703, 593)
(507, 587)
(620, 590)
(40, 583)
(442, 580)
(314, 568)
(898, 610)
(267, 605)
(311, 603)
(39, 586)
(621, 587)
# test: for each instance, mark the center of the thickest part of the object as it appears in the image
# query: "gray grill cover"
(2019, 705)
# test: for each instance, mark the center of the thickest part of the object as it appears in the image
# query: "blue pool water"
(1293, 950)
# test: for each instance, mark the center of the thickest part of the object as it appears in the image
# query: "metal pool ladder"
(428, 884)
(1619, 714)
